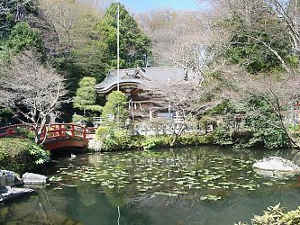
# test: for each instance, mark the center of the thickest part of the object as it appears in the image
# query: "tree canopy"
(135, 46)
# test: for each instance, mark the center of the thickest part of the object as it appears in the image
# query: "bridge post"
(84, 133)
(63, 130)
(72, 130)
(59, 130)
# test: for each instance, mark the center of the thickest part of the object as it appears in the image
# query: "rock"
(276, 167)
(10, 193)
(34, 179)
(9, 178)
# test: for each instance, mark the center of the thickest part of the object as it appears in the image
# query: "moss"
(21, 155)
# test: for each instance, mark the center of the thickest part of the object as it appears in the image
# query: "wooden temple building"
(138, 84)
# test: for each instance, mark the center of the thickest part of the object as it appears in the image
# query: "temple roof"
(138, 76)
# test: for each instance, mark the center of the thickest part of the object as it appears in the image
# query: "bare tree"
(289, 11)
(73, 21)
(33, 91)
(165, 27)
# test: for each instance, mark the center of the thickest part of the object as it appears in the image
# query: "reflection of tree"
(122, 204)
(46, 208)
(95, 159)
(116, 198)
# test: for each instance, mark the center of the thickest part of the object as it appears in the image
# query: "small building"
(137, 84)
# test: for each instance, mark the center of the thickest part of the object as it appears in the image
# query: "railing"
(52, 130)
(12, 129)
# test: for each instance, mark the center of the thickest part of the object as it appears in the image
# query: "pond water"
(195, 186)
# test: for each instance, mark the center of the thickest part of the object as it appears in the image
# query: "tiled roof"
(138, 76)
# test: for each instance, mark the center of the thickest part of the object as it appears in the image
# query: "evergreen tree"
(115, 108)
(85, 99)
(135, 46)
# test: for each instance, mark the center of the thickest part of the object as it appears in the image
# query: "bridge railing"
(52, 130)
(68, 129)
(13, 129)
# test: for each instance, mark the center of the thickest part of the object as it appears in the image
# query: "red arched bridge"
(56, 136)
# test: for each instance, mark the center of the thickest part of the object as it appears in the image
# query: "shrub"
(276, 216)
(115, 109)
(24, 37)
(184, 140)
(113, 138)
(223, 136)
(156, 142)
(20, 155)
(26, 133)
(207, 121)
(195, 140)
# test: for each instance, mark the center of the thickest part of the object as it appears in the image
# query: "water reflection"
(153, 188)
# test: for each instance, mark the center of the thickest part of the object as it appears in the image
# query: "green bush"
(207, 121)
(184, 140)
(21, 155)
(24, 37)
(195, 140)
(276, 216)
(223, 136)
(156, 142)
(26, 133)
(113, 138)
(115, 109)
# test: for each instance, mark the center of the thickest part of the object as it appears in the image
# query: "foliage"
(156, 142)
(117, 139)
(113, 138)
(151, 142)
(221, 109)
(265, 124)
(253, 46)
(25, 133)
(10, 13)
(21, 155)
(134, 45)
(85, 99)
(22, 37)
(5, 116)
(115, 109)
(223, 136)
(75, 49)
(206, 121)
(79, 119)
(259, 125)
(276, 215)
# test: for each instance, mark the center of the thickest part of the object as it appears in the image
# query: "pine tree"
(135, 46)
(85, 99)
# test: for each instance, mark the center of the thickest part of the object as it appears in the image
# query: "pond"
(193, 186)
